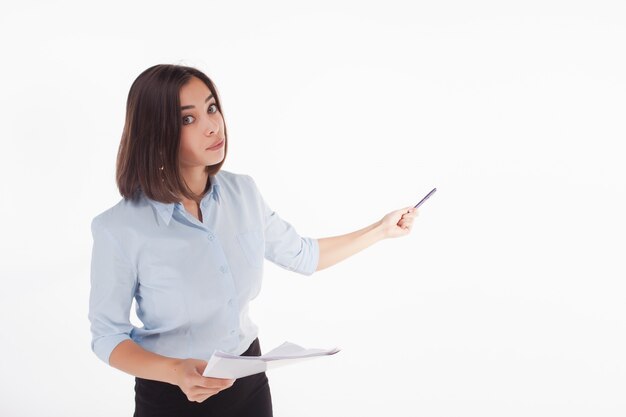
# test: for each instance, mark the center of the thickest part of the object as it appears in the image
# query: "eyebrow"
(191, 107)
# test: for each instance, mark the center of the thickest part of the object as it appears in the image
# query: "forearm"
(131, 358)
(337, 248)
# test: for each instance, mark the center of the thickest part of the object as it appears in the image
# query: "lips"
(217, 145)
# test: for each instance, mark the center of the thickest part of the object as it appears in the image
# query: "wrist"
(173, 369)
(377, 230)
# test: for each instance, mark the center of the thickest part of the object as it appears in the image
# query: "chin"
(215, 161)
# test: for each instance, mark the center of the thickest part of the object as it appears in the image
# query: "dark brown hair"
(151, 135)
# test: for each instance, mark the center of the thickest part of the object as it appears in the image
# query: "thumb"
(200, 366)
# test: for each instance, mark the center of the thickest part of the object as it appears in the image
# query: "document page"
(225, 365)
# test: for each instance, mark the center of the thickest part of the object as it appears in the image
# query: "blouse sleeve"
(283, 245)
(113, 285)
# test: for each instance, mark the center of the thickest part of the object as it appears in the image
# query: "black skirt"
(249, 396)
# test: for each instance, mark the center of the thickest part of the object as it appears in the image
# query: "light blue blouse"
(192, 281)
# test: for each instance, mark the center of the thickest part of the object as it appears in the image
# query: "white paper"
(225, 365)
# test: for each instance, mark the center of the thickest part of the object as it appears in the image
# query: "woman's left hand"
(399, 222)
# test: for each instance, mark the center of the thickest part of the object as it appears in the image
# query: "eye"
(210, 112)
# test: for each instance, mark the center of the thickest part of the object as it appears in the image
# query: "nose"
(212, 127)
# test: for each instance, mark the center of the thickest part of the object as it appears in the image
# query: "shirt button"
(211, 237)
(223, 269)
(232, 332)
(230, 302)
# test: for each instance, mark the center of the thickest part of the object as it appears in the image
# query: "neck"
(196, 179)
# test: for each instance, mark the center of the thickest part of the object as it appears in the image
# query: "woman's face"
(202, 126)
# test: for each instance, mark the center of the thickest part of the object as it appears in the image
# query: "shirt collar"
(166, 210)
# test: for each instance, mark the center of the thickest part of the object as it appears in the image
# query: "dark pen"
(424, 199)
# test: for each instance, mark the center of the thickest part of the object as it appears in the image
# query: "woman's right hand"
(195, 386)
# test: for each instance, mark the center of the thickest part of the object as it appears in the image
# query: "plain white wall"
(506, 299)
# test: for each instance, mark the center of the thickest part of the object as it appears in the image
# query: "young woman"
(187, 241)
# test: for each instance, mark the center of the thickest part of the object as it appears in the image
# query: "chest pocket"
(252, 244)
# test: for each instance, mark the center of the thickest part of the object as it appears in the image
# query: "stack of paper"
(225, 365)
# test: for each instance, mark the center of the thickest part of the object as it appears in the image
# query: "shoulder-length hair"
(147, 157)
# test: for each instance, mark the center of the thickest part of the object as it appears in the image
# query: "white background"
(507, 298)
